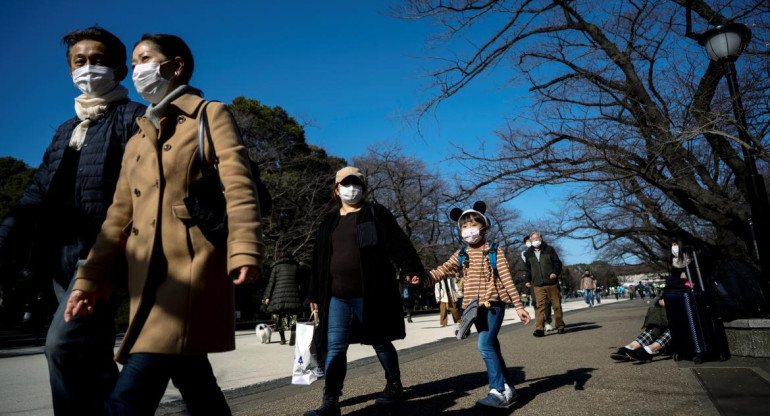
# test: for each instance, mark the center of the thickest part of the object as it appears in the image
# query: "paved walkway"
(562, 374)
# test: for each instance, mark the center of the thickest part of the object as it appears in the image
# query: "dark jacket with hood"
(538, 271)
(37, 229)
(283, 287)
(386, 255)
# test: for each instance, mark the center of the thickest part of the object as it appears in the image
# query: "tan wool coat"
(192, 309)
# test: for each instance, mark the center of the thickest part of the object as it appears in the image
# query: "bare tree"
(299, 176)
(421, 200)
(623, 101)
(416, 196)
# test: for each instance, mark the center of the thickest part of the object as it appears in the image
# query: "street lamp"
(724, 44)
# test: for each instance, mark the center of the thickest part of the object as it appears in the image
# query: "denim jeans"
(488, 323)
(341, 315)
(144, 379)
(598, 296)
(589, 296)
(81, 368)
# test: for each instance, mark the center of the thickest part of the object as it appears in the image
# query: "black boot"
(329, 407)
(393, 392)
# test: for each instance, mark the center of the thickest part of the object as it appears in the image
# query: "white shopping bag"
(305, 370)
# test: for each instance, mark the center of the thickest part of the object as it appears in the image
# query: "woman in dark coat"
(282, 296)
(354, 286)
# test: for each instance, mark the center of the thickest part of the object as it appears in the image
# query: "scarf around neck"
(89, 109)
(155, 112)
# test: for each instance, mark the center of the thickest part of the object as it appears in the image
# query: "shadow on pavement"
(581, 326)
(429, 398)
(436, 397)
(576, 377)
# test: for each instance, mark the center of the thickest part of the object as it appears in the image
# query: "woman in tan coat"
(181, 295)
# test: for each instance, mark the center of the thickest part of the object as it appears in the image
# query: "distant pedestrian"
(406, 294)
(282, 296)
(588, 285)
(542, 268)
(493, 292)
(548, 320)
(460, 294)
(446, 297)
(598, 293)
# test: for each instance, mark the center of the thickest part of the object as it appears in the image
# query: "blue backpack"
(492, 253)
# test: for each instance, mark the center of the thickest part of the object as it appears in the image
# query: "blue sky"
(346, 67)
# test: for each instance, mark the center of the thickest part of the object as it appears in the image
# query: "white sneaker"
(548, 327)
(510, 394)
(495, 399)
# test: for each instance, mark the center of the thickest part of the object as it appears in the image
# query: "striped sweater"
(478, 279)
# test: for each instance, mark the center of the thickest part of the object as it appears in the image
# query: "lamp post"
(724, 44)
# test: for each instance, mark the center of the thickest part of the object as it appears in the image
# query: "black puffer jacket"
(57, 243)
(283, 287)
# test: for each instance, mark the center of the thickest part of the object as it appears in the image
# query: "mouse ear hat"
(479, 208)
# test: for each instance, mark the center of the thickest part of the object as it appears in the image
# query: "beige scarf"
(89, 109)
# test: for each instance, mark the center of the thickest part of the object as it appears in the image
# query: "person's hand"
(528, 284)
(247, 274)
(553, 276)
(80, 303)
(313, 307)
(267, 301)
(414, 280)
(524, 316)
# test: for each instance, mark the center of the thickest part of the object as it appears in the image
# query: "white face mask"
(529, 244)
(351, 194)
(675, 251)
(94, 80)
(149, 83)
(471, 235)
(536, 243)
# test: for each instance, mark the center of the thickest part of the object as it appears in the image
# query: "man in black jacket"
(541, 271)
(60, 213)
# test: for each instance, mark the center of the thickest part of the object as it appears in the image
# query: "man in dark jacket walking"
(60, 213)
(541, 271)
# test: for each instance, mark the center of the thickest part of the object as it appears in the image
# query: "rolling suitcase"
(696, 330)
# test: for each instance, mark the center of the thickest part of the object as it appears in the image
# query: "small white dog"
(264, 332)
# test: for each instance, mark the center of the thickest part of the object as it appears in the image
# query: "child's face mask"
(471, 233)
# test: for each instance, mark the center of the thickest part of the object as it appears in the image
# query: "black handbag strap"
(204, 139)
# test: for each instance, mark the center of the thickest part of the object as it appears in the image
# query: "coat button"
(137, 192)
(138, 157)
(157, 183)
(167, 147)
(135, 230)
(180, 119)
